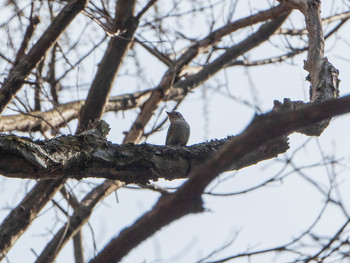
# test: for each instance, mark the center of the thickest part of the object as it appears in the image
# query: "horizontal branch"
(90, 155)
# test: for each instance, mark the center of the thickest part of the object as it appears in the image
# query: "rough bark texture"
(90, 155)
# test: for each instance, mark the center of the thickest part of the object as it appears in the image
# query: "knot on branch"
(98, 129)
(328, 83)
(288, 105)
(327, 88)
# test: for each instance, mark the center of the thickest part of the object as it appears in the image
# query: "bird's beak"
(169, 113)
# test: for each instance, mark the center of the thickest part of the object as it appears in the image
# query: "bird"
(179, 130)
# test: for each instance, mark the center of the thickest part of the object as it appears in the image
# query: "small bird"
(179, 130)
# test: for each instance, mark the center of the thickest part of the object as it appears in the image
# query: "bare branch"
(18, 73)
(21, 217)
(97, 98)
(77, 220)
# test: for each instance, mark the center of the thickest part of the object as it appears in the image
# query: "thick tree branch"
(21, 217)
(97, 98)
(90, 155)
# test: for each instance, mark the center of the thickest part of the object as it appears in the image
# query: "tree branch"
(77, 220)
(97, 98)
(90, 155)
(21, 217)
(255, 39)
(27, 63)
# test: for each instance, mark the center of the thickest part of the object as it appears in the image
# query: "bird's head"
(174, 115)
